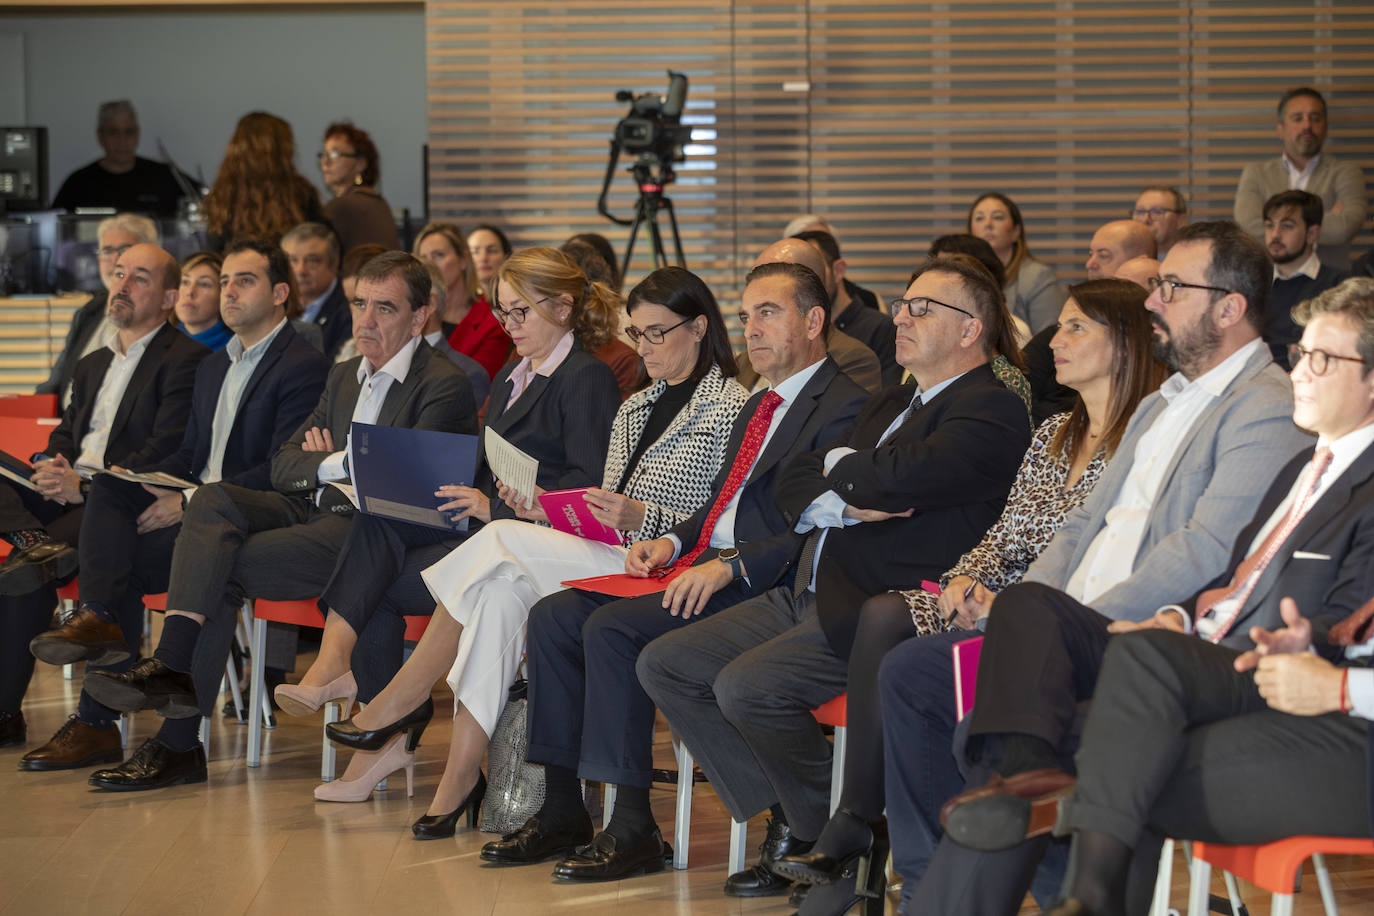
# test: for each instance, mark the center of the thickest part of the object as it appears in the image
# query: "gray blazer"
(1215, 481)
(1036, 295)
(1332, 181)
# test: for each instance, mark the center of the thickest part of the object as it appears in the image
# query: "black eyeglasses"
(335, 154)
(1319, 361)
(113, 251)
(920, 307)
(1153, 212)
(517, 314)
(654, 335)
(1166, 287)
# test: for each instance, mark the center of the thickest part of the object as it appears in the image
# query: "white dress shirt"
(1299, 177)
(112, 388)
(1110, 557)
(375, 384)
(242, 363)
(723, 534)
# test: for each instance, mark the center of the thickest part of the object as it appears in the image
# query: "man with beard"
(1292, 223)
(1158, 526)
(1303, 166)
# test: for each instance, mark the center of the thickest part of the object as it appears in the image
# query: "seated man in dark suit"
(130, 402)
(1292, 225)
(237, 542)
(248, 398)
(1164, 514)
(314, 252)
(926, 466)
(1182, 739)
(869, 327)
(588, 714)
(89, 327)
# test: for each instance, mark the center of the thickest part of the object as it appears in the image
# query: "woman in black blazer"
(555, 403)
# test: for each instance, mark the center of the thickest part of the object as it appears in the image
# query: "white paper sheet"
(512, 467)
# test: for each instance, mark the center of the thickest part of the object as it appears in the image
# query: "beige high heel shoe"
(391, 758)
(296, 700)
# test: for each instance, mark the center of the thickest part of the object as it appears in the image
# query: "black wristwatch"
(731, 556)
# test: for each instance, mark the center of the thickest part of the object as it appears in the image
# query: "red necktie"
(1353, 630)
(754, 435)
(1252, 567)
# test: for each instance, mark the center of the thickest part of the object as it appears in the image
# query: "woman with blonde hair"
(197, 308)
(467, 319)
(258, 193)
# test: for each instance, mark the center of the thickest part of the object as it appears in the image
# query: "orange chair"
(257, 613)
(28, 405)
(1271, 866)
(23, 436)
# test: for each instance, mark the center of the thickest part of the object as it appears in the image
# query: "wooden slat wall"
(914, 108)
(32, 330)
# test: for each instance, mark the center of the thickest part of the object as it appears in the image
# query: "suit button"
(849, 487)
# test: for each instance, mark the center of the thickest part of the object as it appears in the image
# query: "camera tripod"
(652, 201)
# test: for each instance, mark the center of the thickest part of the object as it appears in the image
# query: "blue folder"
(396, 471)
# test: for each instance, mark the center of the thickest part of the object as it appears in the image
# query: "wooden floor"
(255, 841)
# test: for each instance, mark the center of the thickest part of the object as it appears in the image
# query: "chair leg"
(1324, 884)
(739, 836)
(255, 693)
(1163, 880)
(682, 824)
(1282, 905)
(68, 671)
(123, 731)
(837, 768)
(607, 803)
(1232, 891)
(329, 755)
(231, 677)
(1199, 887)
(205, 735)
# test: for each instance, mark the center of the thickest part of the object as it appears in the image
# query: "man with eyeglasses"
(1164, 210)
(121, 179)
(89, 330)
(1249, 742)
(1302, 166)
(1292, 223)
(917, 480)
(1159, 526)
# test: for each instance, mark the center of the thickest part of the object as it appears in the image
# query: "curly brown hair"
(258, 193)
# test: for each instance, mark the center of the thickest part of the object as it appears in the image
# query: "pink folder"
(966, 674)
(568, 512)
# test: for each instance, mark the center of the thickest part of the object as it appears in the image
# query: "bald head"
(143, 290)
(808, 221)
(1115, 244)
(796, 251)
(1138, 270)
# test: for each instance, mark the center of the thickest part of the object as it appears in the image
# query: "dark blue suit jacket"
(279, 395)
(335, 321)
(562, 420)
(821, 412)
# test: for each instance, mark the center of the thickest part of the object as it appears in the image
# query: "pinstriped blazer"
(674, 475)
(1216, 478)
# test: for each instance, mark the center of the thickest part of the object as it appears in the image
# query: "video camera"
(653, 124)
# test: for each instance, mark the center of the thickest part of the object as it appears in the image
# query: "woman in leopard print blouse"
(1103, 351)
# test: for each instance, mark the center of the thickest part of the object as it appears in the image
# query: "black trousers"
(376, 584)
(1177, 743)
(587, 709)
(22, 508)
(22, 617)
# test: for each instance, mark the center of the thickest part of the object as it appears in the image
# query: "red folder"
(622, 585)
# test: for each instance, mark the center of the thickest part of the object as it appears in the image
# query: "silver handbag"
(515, 789)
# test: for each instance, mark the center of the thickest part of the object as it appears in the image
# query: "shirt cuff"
(1187, 618)
(825, 511)
(332, 468)
(1360, 684)
(677, 546)
(833, 457)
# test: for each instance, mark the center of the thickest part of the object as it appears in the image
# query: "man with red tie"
(588, 714)
(1194, 738)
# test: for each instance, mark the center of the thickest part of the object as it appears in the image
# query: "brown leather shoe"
(1006, 811)
(83, 636)
(75, 745)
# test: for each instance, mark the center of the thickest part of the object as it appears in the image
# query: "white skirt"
(489, 583)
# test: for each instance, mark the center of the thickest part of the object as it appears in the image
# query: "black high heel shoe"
(816, 867)
(412, 723)
(442, 826)
(866, 868)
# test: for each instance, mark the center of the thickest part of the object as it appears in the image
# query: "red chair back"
(28, 405)
(23, 436)
(306, 613)
(1274, 866)
(833, 713)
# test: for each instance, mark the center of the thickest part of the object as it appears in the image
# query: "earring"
(357, 180)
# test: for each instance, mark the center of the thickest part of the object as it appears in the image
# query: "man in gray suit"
(1304, 167)
(237, 543)
(1160, 523)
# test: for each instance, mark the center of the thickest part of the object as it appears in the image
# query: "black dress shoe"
(412, 723)
(600, 860)
(13, 731)
(532, 843)
(861, 878)
(29, 569)
(816, 867)
(153, 766)
(760, 880)
(147, 685)
(442, 826)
